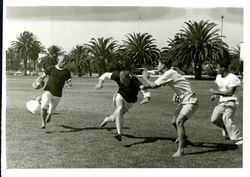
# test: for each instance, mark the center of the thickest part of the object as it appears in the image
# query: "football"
(38, 84)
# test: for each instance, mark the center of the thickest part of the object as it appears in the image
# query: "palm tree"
(236, 63)
(196, 44)
(141, 49)
(102, 52)
(12, 61)
(26, 46)
(80, 58)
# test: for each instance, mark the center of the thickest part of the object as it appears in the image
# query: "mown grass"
(73, 138)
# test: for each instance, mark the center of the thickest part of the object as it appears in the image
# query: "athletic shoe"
(118, 137)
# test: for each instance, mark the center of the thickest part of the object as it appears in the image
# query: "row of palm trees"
(198, 43)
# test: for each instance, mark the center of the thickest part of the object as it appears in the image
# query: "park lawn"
(73, 139)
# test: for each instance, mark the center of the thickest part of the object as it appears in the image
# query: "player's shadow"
(70, 129)
(206, 146)
(146, 139)
(211, 147)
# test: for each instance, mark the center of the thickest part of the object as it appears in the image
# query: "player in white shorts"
(124, 98)
(58, 76)
(34, 106)
(188, 101)
(223, 113)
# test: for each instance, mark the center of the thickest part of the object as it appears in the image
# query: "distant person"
(124, 98)
(223, 113)
(34, 106)
(184, 95)
(58, 76)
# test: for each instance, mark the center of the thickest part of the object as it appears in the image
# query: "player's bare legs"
(48, 118)
(43, 116)
(181, 135)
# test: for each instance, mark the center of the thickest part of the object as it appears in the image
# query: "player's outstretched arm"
(150, 83)
(103, 77)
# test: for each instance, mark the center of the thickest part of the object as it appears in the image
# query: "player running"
(58, 76)
(188, 101)
(124, 98)
(223, 113)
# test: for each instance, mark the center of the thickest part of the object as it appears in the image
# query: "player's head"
(62, 61)
(222, 65)
(164, 63)
(125, 77)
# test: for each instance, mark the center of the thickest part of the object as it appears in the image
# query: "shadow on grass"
(74, 129)
(146, 139)
(210, 147)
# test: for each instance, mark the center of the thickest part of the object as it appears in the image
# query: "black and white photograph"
(116, 87)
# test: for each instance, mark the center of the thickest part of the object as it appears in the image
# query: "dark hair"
(223, 62)
(167, 62)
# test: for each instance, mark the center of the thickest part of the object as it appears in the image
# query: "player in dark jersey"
(124, 98)
(58, 76)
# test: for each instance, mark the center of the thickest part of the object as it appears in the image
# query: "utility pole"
(139, 23)
(222, 17)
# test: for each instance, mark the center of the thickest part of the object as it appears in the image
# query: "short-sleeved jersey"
(129, 93)
(56, 80)
(225, 83)
(177, 82)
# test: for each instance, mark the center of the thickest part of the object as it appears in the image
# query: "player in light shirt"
(223, 113)
(188, 101)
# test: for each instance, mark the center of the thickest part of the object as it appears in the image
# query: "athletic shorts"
(118, 100)
(49, 102)
(188, 108)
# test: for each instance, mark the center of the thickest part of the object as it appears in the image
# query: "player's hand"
(212, 91)
(98, 86)
(145, 74)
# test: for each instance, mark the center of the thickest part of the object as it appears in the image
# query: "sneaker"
(118, 137)
(145, 100)
(240, 142)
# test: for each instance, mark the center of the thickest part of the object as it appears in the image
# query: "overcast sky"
(68, 26)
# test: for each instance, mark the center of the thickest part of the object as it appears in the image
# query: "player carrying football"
(58, 75)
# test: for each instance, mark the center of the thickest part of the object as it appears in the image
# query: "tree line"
(195, 49)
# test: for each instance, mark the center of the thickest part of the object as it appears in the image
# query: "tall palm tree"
(79, 57)
(102, 51)
(11, 59)
(141, 49)
(26, 46)
(236, 63)
(196, 44)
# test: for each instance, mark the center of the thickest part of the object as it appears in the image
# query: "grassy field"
(73, 138)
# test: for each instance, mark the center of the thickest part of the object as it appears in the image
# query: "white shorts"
(33, 106)
(118, 100)
(188, 107)
(49, 102)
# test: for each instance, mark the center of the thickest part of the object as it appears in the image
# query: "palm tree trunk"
(198, 71)
(25, 66)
